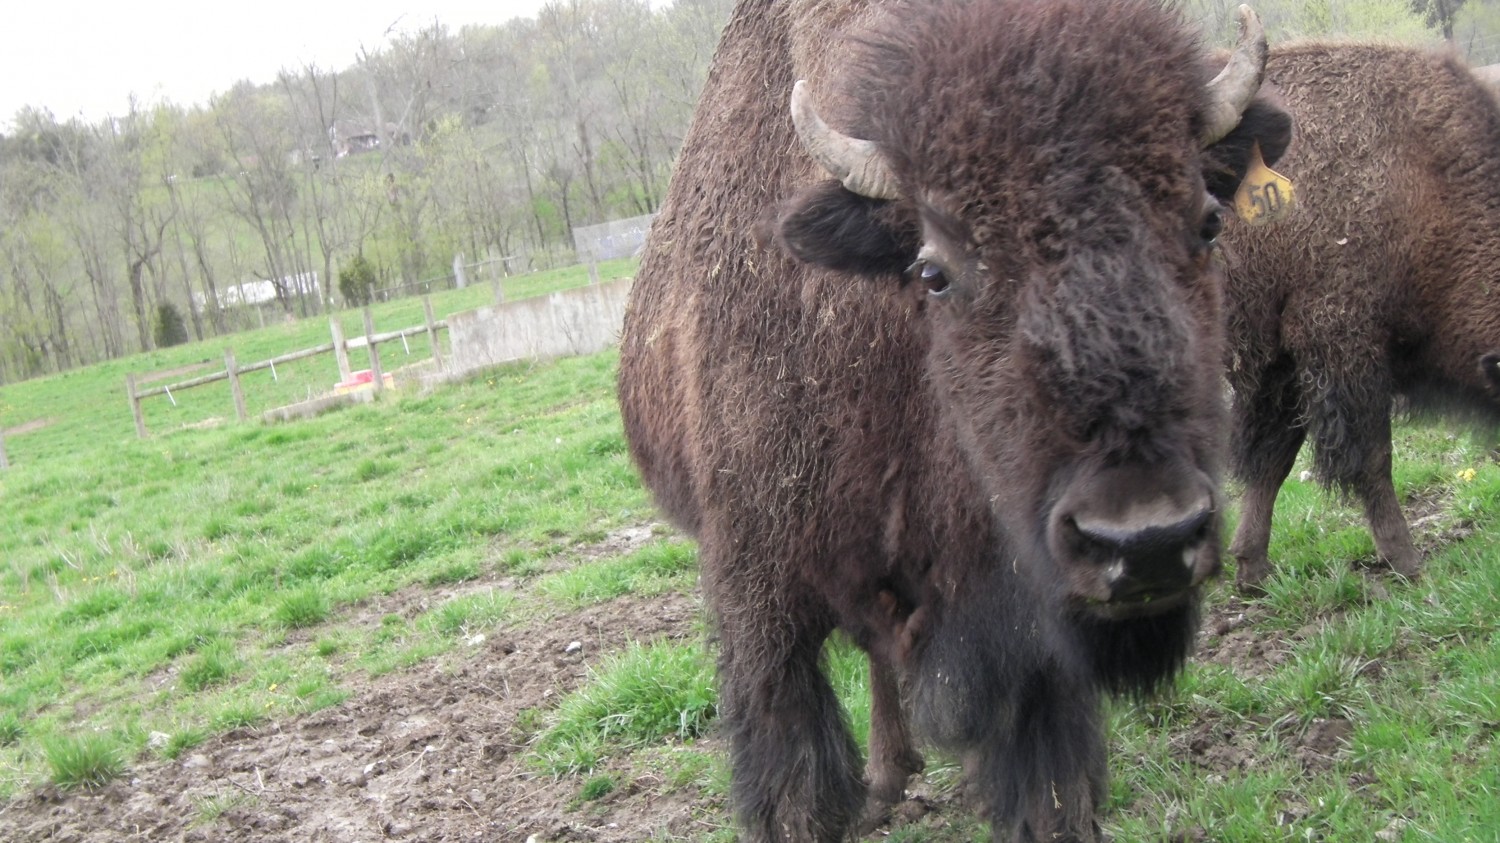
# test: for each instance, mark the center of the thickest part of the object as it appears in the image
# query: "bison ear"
(1225, 163)
(828, 226)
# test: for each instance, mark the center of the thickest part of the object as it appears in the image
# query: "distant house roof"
(349, 139)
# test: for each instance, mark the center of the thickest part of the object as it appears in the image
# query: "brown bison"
(962, 403)
(1380, 284)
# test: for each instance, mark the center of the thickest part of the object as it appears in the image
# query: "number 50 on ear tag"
(1265, 195)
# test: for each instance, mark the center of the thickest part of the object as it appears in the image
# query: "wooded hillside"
(490, 142)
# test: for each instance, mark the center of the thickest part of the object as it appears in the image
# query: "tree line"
(489, 140)
(162, 223)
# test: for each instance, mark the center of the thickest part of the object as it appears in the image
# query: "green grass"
(213, 665)
(11, 729)
(597, 787)
(468, 616)
(635, 698)
(84, 761)
(307, 606)
(654, 569)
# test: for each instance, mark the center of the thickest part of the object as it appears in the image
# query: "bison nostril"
(1115, 572)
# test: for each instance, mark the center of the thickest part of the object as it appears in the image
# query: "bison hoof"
(1407, 568)
(1250, 576)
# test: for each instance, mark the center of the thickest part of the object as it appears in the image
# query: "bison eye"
(931, 276)
(1213, 224)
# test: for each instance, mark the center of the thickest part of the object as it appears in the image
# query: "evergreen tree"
(170, 330)
(357, 281)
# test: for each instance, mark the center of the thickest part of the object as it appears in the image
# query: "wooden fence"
(339, 346)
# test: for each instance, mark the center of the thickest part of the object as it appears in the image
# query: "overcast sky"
(86, 58)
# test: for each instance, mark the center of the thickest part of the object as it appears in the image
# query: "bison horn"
(854, 162)
(1231, 91)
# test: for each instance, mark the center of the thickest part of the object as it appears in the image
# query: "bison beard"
(1005, 489)
(1378, 286)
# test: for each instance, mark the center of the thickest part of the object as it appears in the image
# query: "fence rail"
(370, 340)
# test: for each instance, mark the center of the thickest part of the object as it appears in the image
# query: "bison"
(962, 402)
(1378, 289)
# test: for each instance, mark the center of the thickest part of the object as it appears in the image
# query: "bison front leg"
(1043, 779)
(794, 764)
(893, 757)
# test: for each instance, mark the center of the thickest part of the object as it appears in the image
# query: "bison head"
(1055, 216)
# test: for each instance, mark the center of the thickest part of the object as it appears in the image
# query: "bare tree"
(493, 138)
(139, 217)
(263, 191)
(317, 107)
(196, 221)
(572, 53)
(1440, 14)
(37, 289)
(83, 214)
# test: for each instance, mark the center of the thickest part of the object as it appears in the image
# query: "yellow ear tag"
(1265, 195)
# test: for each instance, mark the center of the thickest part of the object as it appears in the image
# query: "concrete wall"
(573, 322)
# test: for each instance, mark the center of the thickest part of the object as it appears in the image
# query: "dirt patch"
(165, 374)
(437, 752)
(1232, 637)
(27, 427)
(1433, 524)
(433, 753)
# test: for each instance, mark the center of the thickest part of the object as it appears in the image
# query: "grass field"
(61, 416)
(198, 549)
(202, 580)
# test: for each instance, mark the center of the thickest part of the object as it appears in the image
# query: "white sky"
(84, 58)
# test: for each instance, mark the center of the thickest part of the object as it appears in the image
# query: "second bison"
(1384, 285)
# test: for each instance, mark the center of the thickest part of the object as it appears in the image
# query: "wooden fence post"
(4, 460)
(432, 337)
(340, 350)
(499, 293)
(234, 383)
(135, 405)
(376, 376)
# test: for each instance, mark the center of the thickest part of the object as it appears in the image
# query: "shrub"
(357, 281)
(170, 330)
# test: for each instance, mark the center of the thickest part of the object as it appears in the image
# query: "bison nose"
(1134, 538)
(1141, 559)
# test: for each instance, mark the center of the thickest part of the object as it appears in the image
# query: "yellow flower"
(273, 686)
(1467, 475)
